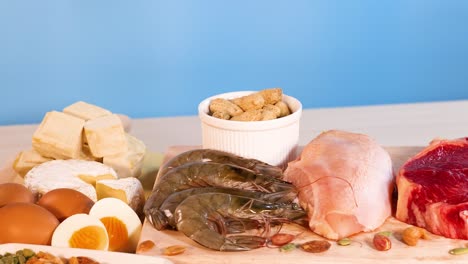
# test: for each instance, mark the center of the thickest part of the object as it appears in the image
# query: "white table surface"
(390, 125)
(413, 124)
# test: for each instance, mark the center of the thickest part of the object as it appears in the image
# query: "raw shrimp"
(202, 218)
(163, 217)
(257, 166)
(206, 174)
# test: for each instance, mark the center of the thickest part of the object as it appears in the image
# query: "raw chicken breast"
(345, 181)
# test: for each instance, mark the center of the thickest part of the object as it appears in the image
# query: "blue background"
(160, 58)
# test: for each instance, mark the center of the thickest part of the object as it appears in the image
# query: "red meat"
(433, 189)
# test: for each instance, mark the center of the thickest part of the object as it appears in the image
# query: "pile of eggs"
(66, 218)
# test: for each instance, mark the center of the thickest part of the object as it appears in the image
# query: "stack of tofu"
(83, 131)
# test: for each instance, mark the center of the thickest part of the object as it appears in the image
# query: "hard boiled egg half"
(81, 231)
(121, 222)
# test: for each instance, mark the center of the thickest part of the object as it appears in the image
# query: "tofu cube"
(86, 153)
(129, 163)
(86, 111)
(59, 136)
(26, 160)
(105, 136)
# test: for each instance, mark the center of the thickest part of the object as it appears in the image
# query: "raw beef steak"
(433, 189)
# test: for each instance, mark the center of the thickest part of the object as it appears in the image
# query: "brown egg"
(26, 223)
(64, 202)
(14, 192)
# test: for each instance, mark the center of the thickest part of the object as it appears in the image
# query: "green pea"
(288, 247)
(459, 251)
(28, 253)
(344, 242)
(21, 259)
(385, 233)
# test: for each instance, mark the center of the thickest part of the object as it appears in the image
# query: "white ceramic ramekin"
(272, 141)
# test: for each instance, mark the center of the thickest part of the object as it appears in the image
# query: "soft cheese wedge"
(86, 111)
(26, 160)
(75, 174)
(130, 162)
(105, 136)
(59, 136)
(129, 190)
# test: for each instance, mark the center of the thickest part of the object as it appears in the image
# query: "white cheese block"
(75, 174)
(129, 163)
(105, 136)
(59, 136)
(26, 160)
(128, 190)
(85, 110)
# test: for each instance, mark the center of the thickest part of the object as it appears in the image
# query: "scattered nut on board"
(382, 242)
(412, 234)
(173, 250)
(145, 246)
(315, 246)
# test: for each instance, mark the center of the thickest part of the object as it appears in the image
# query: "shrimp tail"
(157, 218)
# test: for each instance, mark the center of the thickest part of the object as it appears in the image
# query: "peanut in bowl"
(273, 141)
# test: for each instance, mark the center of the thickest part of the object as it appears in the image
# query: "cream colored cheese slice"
(75, 174)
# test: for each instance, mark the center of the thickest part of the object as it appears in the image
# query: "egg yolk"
(89, 237)
(117, 232)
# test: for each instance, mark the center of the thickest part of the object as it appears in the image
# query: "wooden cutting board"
(434, 250)
(361, 250)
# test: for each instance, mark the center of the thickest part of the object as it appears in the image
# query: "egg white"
(65, 230)
(113, 207)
